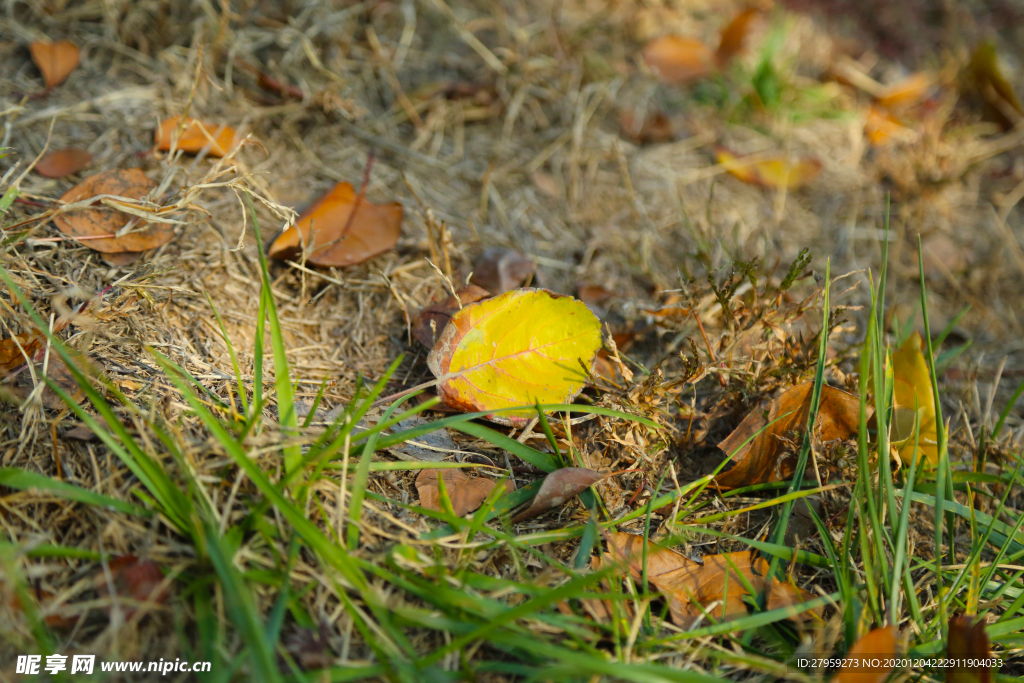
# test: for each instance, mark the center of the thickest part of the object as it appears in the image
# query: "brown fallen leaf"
(500, 270)
(882, 128)
(734, 35)
(18, 388)
(15, 349)
(714, 587)
(558, 487)
(432, 319)
(773, 171)
(104, 220)
(466, 494)
(677, 61)
(907, 92)
(195, 136)
(967, 641)
(133, 579)
(760, 460)
(63, 162)
(880, 644)
(335, 236)
(653, 128)
(56, 61)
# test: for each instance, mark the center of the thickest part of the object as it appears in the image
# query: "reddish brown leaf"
(466, 494)
(13, 350)
(877, 644)
(195, 136)
(678, 61)
(734, 35)
(104, 220)
(56, 61)
(967, 641)
(558, 487)
(653, 128)
(500, 270)
(62, 162)
(431, 321)
(332, 239)
(761, 460)
(135, 580)
(18, 388)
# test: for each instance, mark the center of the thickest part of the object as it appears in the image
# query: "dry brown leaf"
(63, 162)
(734, 35)
(650, 129)
(104, 220)
(677, 61)
(882, 128)
(195, 136)
(13, 350)
(967, 640)
(431, 321)
(906, 93)
(879, 643)
(760, 460)
(466, 494)
(558, 487)
(18, 388)
(714, 586)
(500, 270)
(56, 61)
(334, 239)
(770, 171)
(133, 579)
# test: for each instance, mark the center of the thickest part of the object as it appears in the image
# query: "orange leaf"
(881, 127)
(62, 162)
(104, 220)
(195, 136)
(733, 36)
(56, 61)
(879, 643)
(761, 460)
(558, 487)
(519, 348)
(906, 93)
(11, 355)
(770, 171)
(466, 494)
(677, 61)
(334, 239)
(714, 587)
(432, 319)
(967, 640)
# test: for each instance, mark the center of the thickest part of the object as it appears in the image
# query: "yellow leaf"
(913, 402)
(516, 349)
(195, 136)
(770, 171)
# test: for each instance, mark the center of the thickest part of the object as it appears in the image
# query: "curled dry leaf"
(714, 587)
(879, 644)
(770, 171)
(465, 493)
(500, 270)
(558, 487)
(332, 239)
(523, 347)
(677, 61)
(195, 136)
(63, 162)
(913, 403)
(56, 61)
(967, 641)
(734, 35)
(431, 321)
(104, 220)
(133, 579)
(761, 461)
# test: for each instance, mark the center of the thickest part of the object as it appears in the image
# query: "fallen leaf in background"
(967, 640)
(440, 313)
(986, 77)
(879, 643)
(104, 220)
(677, 61)
(882, 128)
(913, 401)
(195, 136)
(132, 579)
(465, 493)
(734, 35)
(63, 162)
(13, 350)
(522, 347)
(500, 270)
(18, 388)
(770, 171)
(56, 61)
(906, 93)
(760, 460)
(714, 586)
(335, 240)
(558, 487)
(650, 129)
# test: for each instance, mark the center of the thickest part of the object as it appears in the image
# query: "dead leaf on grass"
(18, 388)
(967, 641)
(734, 35)
(334, 236)
(63, 162)
(558, 487)
(466, 494)
(882, 128)
(880, 644)
(760, 460)
(645, 130)
(907, 92)
(133, 579)
(56, 61)
(431, 321)
(676, 61)
(500, 270)
(772, 171)
(104, 220)
(195, 136)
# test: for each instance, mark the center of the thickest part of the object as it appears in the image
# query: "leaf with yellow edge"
(523, 347)
(913, 401)
(771, 171)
